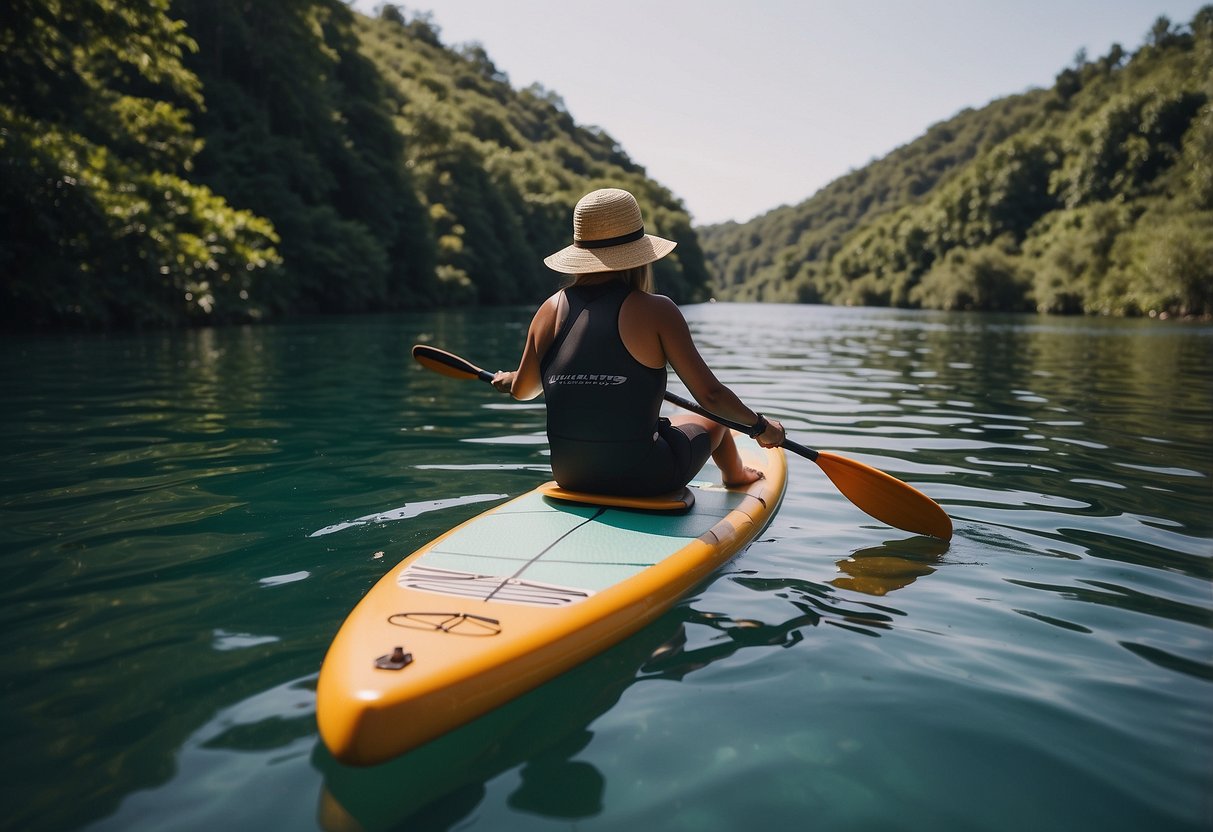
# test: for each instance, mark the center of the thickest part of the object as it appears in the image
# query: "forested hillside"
(499, 170)
(175, 161)
(1093, 196)
(222, 160)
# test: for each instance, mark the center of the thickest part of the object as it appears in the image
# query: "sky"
(741, 106)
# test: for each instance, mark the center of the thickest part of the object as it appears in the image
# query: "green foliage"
(986, 277)
(370, 166)
(1093, 196)
(102, 224)
(297, 130)
(1070, 254)
(499, 170)
(1164, 265)
(1198, 158)
(751, 259)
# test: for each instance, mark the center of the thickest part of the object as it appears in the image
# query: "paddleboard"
(518, 595)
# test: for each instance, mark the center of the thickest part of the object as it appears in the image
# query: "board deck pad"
(680, 500)
(575, 550)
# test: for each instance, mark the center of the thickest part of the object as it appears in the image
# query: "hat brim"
(574, 260)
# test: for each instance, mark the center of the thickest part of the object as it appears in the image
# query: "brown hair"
(640, 277)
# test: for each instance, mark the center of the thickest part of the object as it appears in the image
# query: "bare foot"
(748, 476)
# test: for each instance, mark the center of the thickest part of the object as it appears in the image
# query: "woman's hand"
(773, 436)
(503, 380)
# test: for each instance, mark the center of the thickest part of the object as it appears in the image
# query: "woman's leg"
(724, 449)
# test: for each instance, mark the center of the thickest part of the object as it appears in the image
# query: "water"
(187, 518)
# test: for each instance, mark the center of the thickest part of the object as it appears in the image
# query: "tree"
(102, 222)
(298, 130)
(1042, 200)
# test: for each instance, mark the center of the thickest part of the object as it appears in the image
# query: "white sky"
(740, 106)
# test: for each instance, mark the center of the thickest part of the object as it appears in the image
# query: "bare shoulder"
(547, 320)
(549, 311)
(656, 309)
(646, 323)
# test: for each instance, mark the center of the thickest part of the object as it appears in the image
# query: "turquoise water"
(187, 518)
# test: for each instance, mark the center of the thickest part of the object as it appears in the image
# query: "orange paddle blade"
(885, 497)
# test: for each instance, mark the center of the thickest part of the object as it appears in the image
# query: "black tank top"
(602, 404)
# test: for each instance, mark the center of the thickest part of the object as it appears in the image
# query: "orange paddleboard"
(516, 596)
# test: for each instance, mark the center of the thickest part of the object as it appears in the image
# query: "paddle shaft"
(442, 361)
(882, 496)
(748, 430)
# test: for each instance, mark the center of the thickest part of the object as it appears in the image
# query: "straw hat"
(608, 236)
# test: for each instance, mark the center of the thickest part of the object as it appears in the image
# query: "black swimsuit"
(603, 406)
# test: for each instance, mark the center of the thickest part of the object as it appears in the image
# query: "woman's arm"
(526, 383)
(684, 357)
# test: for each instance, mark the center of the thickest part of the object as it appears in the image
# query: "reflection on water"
(543, 731)
(879, 570)
(186, 518)
(235, 759)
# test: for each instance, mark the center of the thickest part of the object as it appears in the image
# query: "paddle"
(878, 494)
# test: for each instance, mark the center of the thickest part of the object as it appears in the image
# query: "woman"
(598, 350)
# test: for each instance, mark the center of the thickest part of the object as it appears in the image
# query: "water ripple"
(169, 509)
